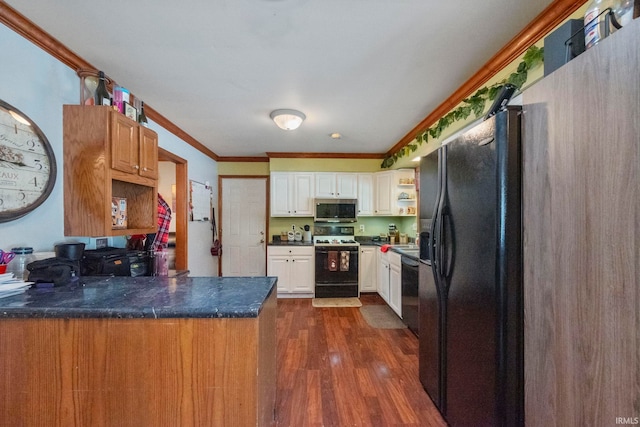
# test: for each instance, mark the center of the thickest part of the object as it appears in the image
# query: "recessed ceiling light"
(335, 135)
(417, 159)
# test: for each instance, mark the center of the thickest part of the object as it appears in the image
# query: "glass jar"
(18, 266)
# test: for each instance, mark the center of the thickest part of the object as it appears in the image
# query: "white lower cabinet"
(367, 274)
(294, 267)
(390, 279)
(383, 275)
(395, 282)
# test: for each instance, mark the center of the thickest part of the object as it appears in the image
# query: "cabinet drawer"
(290, 250)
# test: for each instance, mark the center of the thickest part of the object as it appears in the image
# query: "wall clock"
(27, 164)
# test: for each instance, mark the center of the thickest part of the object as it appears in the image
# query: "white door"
(243, 226)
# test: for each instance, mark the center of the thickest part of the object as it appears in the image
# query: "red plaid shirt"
(164, 220)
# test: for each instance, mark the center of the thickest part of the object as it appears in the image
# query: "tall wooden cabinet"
(581, 216)
(108, 155)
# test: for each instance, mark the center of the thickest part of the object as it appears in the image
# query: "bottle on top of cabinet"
(142, 118)
(102, 96)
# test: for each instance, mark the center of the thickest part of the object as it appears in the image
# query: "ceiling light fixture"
(287, 119)
(335, 135)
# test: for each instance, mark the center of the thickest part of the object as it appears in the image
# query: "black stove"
(336, 261)
(335, 242)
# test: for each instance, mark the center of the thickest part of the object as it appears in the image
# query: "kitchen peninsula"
(140, 351)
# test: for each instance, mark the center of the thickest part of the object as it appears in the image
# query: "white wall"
(200, 168)
(39, 85)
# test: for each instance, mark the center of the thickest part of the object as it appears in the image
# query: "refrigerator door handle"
(438, 247)
(437, 230)
(448, 249)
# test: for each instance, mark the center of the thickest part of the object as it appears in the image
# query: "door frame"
(182, 191)
(267, 210)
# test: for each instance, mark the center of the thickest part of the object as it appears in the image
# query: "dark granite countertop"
(411, 253)
(144, 297)
(287, 243)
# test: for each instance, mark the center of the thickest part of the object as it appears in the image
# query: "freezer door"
(430, 335)
(479, 182)
(429, 185)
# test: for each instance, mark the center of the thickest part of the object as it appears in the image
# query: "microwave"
(336, 210)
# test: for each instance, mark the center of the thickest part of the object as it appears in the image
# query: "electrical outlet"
(102, 243)
(362, 228)
(414, 226)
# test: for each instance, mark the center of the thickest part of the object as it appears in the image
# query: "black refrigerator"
(470, 278)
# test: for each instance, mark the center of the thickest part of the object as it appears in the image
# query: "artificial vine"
(475, 104)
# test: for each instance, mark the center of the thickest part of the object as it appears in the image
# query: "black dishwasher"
(410, 314)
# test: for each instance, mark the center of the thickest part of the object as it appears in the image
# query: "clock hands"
(15, 163)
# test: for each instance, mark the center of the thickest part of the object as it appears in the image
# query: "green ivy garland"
(474, 104)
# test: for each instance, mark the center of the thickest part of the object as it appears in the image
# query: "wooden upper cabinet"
(134, 148)
(108, 155)
(148, 153)
(124, 144)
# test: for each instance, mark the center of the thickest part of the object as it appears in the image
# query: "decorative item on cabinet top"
(127, 104)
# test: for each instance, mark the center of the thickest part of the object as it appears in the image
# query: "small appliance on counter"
(306, 236)
(72, 252)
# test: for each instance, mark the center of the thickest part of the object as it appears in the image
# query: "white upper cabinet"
(383, 191)
(395, 193)
(365, 194)
(387, 193)
(330, 185)
(292, 194)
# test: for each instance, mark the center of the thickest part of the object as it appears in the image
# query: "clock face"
(27, 164)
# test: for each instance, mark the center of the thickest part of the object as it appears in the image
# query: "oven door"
(336, 264)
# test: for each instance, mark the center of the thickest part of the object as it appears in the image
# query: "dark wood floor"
(336, 370)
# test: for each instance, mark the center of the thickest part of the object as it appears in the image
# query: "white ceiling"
(368, 69)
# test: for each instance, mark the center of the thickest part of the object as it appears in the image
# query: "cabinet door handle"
(136, 167)
(144, 169)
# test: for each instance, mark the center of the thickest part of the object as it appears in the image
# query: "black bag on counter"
(139, 264)
(111, 261)
(58, 271)
(105, 262)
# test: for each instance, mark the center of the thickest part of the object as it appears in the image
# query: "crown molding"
(36, 35)
(273, 155)
(556, 13)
